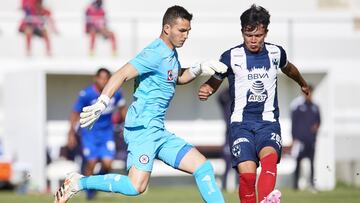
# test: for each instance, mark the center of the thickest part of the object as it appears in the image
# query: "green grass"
(175, 194)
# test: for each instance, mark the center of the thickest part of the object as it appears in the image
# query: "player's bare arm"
(209, 88)
(125, 73)
(292, 72)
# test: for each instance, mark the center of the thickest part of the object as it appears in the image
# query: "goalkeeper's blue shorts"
(147, 144)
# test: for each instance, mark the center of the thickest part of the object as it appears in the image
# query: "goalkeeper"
(157, 71)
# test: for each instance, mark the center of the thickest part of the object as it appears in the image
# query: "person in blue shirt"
(224, 102)
(97, 144)
(157, 71)
(305, 124)
(255, 137)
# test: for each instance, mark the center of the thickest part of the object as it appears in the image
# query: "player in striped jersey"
(255, 129)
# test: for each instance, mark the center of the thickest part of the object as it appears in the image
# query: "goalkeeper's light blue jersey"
(89, 95)
(158, 68)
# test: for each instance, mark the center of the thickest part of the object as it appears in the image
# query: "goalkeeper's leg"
(196, 164)
(131, 185)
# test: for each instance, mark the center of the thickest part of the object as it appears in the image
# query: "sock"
(267, 178)
(108, 183)
(247, 187)
(205, 180)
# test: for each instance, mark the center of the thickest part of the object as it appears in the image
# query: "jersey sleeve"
(147, 61)
(80, 102)
(225, 59)
(283, 58)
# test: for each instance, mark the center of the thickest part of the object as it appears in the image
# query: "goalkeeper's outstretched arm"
(90, 114)
(205, 68)
(125, 73)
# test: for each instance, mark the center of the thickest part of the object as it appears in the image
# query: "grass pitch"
(173, 194)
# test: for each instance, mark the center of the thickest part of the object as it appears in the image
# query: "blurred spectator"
(96, 23)
(305, 115)
(224, 101)
(27, 6)
(36, 21)
(98, 143)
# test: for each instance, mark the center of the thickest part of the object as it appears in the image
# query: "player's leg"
(45, 35)
(195, 163)
(180, 155)
(89, 168)
(91, 154)
(92, 36)
(28, 31)
(135, 183)
(106, 148)
(244, 158)
(299, 157)
(139, 163)
(268, 146)
(247, 181)
(227, 160)
(267, 178)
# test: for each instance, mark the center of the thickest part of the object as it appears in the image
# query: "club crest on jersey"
(275, 62)
(144, 159)
(170, 75)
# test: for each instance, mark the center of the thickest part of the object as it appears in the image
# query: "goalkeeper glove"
(208, 68)
(90, 114)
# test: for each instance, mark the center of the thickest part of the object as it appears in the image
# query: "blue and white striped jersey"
(253, 82)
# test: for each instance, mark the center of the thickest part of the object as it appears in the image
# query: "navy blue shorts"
(249, 137)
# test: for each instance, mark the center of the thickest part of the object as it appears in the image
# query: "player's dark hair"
(174, 12)
(253, 17)
(102, 69)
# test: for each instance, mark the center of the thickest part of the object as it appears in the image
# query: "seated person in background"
(35, 22)
(96, 24)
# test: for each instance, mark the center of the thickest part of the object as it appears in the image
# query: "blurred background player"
(98, 143)
(224, 101)
(305, 122)
(36, 22)
(157, 71)
(96, 23)
(255, 137)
